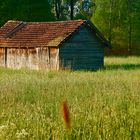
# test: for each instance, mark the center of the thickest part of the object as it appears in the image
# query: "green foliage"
(81, 9)
(26, 10)
(119, 21)
(103, 104)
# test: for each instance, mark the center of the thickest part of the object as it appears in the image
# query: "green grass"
(104, 105)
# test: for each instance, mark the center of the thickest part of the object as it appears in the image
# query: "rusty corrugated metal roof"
(37, 34)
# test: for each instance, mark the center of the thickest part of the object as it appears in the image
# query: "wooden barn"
(73, 45)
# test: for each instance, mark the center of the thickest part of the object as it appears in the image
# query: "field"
(103, 105)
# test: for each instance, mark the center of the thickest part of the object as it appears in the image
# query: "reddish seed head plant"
(66, 114)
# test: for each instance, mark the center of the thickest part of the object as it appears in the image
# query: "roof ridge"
(62, 21)
(14, 20)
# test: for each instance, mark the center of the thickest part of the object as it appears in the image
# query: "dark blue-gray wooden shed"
(76, 45)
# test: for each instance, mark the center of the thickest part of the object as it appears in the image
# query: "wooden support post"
(57, 60)
(49, 51)
(5, 57)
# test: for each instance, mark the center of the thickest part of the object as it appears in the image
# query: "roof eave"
(94, 28)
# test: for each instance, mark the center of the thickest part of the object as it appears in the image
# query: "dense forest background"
(118, 20)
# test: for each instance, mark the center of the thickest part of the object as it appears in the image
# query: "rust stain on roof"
(37, 34)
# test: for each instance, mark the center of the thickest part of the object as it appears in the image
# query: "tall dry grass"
(103, 105)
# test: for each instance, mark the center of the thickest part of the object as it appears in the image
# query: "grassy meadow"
(103, 105)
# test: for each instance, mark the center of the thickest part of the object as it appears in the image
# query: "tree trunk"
(129, 4)
(72, 8)
(110, 21)
(130, 37)
(57, 9)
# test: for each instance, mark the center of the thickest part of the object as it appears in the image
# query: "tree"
(39, 10)
(28, 10)
(119, 21)
(72, 9)
(84, 9)
(58, 8)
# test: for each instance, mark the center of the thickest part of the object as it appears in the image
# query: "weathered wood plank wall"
(82, 51)
(2, 57)
(54, 58)
(35, 58)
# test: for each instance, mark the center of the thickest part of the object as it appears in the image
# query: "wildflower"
(22, 134)
(66, 115)
(3, 128)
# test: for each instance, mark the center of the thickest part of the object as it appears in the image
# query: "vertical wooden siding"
(82, 51)
(2, 57)
(35, 58)
(54, 58)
